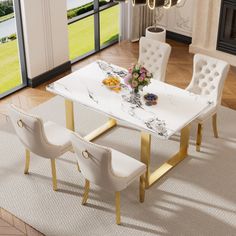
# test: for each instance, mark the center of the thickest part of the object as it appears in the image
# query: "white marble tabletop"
(175, 108)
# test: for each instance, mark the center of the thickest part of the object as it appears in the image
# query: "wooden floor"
(11, 225)
(179, 73)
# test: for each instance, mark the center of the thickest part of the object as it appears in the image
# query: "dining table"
(174, 112)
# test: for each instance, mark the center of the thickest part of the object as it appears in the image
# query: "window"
(12, 66)
(109, 32)
(90, 28)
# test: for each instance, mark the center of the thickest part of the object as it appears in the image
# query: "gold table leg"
(145, 154)
(69, 108)
(151, 178)
(101, 130)
(70, 123)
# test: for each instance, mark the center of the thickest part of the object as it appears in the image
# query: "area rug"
(198, 197)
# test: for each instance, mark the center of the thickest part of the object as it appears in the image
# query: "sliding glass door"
(92, 26)
(12, 73)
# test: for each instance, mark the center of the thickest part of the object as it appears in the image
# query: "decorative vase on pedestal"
(156, 33)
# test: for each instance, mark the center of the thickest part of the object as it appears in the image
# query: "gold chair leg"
(199, 138)
(214, 125)
(54, 175)
(78, 167)
(27, 161)
(142, 188)
(86, 192)
(118, 208)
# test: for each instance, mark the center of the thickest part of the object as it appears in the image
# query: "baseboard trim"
(34, 82)
(178, 37)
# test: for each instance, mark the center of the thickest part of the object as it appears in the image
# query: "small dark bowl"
(151, 99)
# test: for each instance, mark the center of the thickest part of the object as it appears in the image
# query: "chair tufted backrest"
(30, 131)
(95, 163)
(154, 56)
(208, 79)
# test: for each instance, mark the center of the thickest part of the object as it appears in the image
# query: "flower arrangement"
(138, 77)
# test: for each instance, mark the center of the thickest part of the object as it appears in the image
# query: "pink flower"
(132, 66)
(143, 75)
(130, 70)
(127, 79)
(140, 78)
(143, 70)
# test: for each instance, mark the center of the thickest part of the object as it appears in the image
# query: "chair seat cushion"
(126, 166)
(58, 135)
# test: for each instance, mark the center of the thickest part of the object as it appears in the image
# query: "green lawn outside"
(9, 66)
(81, 33)
(109, 24)
(81, 37)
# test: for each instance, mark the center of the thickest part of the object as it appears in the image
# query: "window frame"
(21, 50)
(96, 13)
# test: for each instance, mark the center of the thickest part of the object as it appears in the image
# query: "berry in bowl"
(150, 99)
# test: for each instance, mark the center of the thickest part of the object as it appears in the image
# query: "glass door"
(12, 72)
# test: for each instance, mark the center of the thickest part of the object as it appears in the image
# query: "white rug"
(198, 197)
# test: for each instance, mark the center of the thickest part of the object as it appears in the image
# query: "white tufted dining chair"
(107, 168)
(208, 79)
(154, 56)
(47, 140)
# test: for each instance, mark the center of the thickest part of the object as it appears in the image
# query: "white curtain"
(134, 21)
(141, 18)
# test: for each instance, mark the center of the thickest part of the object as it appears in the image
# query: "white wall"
(205, 30)
(178, 19)
(45, 35)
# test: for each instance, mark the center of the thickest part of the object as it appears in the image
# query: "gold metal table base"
(69, 108)
(101, 130)
(150, 178)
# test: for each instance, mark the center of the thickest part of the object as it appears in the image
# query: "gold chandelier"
(152, 4)
(170, 3)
